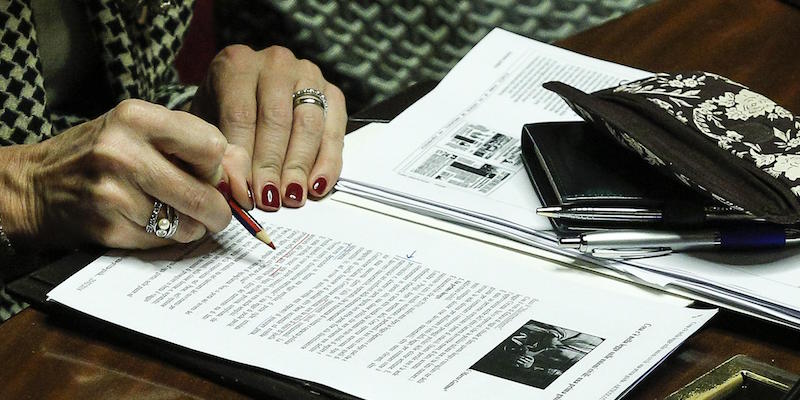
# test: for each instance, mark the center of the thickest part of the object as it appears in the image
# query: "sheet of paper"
(385, 309)
(458, 147)
(619, 282)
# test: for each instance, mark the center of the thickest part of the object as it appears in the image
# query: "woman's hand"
(97, 182)
(278, 153)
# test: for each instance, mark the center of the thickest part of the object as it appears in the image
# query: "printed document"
(454, 155)
(456, 151)
(383, 308)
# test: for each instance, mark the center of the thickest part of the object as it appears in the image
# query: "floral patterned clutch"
(713, 134)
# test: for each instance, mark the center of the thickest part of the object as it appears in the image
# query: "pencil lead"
(262, 236)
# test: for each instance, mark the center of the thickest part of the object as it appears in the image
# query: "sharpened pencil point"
(262, 236)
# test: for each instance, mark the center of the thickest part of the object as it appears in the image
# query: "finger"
(304, 142)
(237, 165)
(174, 133)
(130, 235)
(328, 164)
(199, 200)
(188, 229)
(235, 86)
(273, 127)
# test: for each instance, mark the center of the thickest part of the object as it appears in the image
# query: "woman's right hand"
(97, 182)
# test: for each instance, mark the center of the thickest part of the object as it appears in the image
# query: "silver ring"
(167, 226)
(310, 96)
(173, 225)
(153, 221)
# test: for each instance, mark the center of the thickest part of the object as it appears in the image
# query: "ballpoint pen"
(601, 213)
(628, 244)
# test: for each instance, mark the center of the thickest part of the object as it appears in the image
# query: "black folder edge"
(247, 379)
(538, 177)
(244, 378)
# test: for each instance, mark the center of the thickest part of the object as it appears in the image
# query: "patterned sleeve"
(174, 95)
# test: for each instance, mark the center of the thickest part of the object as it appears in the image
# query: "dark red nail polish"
(295, 192)
(270, 197)
(225, 189)
(319, 185)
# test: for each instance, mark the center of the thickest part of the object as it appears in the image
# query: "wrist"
(18, 215)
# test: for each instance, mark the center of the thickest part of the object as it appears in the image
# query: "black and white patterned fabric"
(24, 117)
(375, 48)
(745, 123)
(138, 57)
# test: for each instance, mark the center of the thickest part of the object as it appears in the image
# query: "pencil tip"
(262, 236)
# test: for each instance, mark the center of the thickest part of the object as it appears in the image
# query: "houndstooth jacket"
(137, 57)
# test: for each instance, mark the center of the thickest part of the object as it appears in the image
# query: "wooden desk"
(752, 41)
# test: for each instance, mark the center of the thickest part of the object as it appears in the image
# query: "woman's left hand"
(278, 154)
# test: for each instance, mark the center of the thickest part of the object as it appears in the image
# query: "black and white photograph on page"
(536, 354)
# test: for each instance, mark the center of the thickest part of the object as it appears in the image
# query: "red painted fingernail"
(270, 197)
(225, 189)
(295, 192)
(319, 185)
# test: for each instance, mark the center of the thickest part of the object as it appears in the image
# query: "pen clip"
(631, 253)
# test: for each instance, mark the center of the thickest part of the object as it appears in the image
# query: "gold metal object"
(740, 377)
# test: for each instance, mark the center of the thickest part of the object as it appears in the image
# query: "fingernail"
(270, 197)
(225, 189)
(319, 185)
(250, 193)
(295, 192)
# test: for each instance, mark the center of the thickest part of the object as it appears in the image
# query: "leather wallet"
(708, 132)
(571, 164)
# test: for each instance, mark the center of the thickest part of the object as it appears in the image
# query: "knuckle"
(310, 123)
(279, 54)
(196, 200)
(239, 117)
(190, 231)
(197, 232)
(237, 57)
(132, 112)
(270, 172)
(309, 68)
(298, 167)
(217, 144)
(278, 116)
(106, 193)
(149, 176)
(107, 157)
(269, 164)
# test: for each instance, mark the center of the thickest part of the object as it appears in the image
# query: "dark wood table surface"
(755, 42)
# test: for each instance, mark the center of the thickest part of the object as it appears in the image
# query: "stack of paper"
(382, 308)
(454, 155)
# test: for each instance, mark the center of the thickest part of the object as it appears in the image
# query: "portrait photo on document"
(536, 354)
